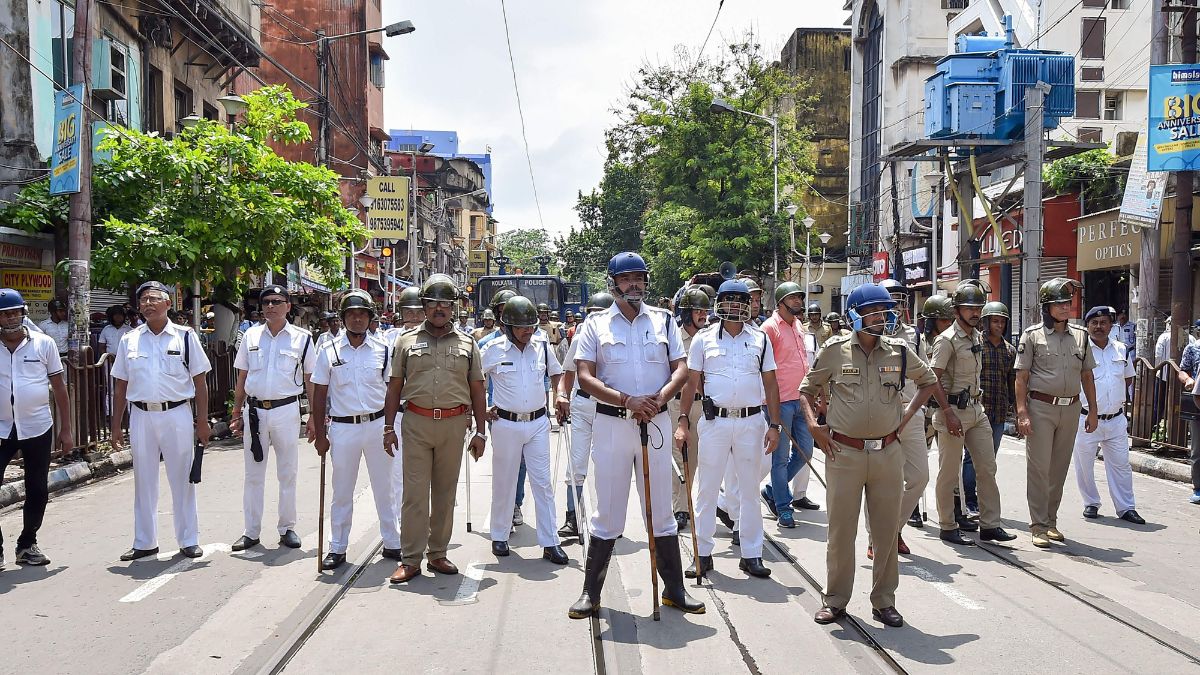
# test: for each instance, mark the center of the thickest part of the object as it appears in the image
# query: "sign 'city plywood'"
(389, 212)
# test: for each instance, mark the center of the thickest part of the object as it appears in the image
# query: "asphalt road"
(1114, 598)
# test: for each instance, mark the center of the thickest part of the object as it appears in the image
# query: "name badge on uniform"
(252, 349)
(173, 352)
(420, 345)
(506, 363)
(850, 370)
(889, 369)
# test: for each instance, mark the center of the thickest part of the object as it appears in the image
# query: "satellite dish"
(727, 270)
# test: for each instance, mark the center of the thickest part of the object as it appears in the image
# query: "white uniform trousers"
(583, 413)
(616, 453)
(348, 444)
(729, 494)
(278, 430)
(172, 434)
(737, 444)
(398, 469)
(512, 441)
(1110, 437)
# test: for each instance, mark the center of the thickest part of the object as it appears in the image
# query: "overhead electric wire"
(521, 112)
(700, 54)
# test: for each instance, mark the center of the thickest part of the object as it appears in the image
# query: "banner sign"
(32, 284)
(388, 214)
(1174, 122)
(68, 129)
(916, 265)
(1142, 203)
(879, 266)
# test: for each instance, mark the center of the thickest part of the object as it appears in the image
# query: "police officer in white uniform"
(518, 363)
(274, 361)
(412, 313)
(32, 370)
(160, 368)
(631, 361)
(351, 377)
(735, 364)
(581, 408)
(1113, 375)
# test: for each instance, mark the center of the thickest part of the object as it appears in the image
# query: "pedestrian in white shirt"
(111, 334)
(274, 361)
(33, 368)
(350, 383)
(57, 326)
(734, 364)
(160, 369)
(518, 363)
(1113, 374)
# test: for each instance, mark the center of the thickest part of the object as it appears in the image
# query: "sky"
(574, 59)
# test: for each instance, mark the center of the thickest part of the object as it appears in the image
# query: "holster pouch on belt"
(197, 463)
(710, 408)
(964, 399)
(255, 444)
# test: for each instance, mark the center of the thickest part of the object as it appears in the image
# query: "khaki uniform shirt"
(1055, 361)
(437, 372)
(822, 334)
(480, 332)
(960, 357)
(552, 330)
(864, 389)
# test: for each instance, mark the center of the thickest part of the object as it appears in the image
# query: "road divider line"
(469, 588)
(145, 590)
(944, 587)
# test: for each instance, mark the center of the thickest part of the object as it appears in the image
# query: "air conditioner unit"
(109, 68)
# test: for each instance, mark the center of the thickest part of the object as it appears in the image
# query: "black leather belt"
(520, 417)
(159, 407)
(679, 396)
(1083, 411)
(358, 419)
(277, 403)
(738, 413)
(582, 394)
(616, 411)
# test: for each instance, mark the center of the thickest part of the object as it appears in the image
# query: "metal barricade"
(1157, 407)
(221, 379)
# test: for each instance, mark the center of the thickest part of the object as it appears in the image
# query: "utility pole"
(1031, 246)
(323, 93)
(1181, 256)
(79, 248)
(1147, 293)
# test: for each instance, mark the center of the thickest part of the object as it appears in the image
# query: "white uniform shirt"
(58, 331)
(519, 375)
(569, 362)
(632, 357)
(1112, 367)
(356, 376)
(732, 364)
(1125, 334)
(153, 364)
(273, 364)
(25, 385)
(110, 336)
(326, 337)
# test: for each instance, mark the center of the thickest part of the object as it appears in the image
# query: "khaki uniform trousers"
(916, 469)
(1048, 453)
(977, 437)
(880, 475)
(433, 455)
(679, 502)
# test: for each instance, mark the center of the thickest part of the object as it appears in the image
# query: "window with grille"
(1113, 103)
(377, 70)
(955, 4)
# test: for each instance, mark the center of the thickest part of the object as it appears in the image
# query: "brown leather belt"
(861, 443)
(1053, 400)
(437, 413)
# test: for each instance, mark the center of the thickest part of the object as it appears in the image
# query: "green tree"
(523, 246)
(699, 183)
(1091, 175)
(211, 203)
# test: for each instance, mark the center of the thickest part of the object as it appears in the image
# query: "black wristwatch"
(776, 427)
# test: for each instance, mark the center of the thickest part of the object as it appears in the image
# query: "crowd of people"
(711, 406)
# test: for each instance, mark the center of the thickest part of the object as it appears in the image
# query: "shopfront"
(27, 266)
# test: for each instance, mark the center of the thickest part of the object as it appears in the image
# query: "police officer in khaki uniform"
(693, 316)
(865, 371)
(1053, 360)
(815, 326)
(553, 329)
(957, 361)
(436, 370)
(488, 327)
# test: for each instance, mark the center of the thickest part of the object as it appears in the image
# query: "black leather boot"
(670, 568)
(570, 526)
(598, 554)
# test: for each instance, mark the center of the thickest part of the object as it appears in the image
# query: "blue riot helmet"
(623, 263)
(869, 295)
(733, 301)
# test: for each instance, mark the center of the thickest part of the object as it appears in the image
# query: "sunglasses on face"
(272, 303)
(439, 303)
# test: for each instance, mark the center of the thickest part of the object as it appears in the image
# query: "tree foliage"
(211, 203)
(698, 182)
(1091, 175)
(523, 246)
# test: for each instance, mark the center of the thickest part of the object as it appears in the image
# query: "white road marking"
(943, 587)
(469, 588)
(145, 590)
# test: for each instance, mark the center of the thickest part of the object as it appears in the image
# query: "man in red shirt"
(787, 343)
